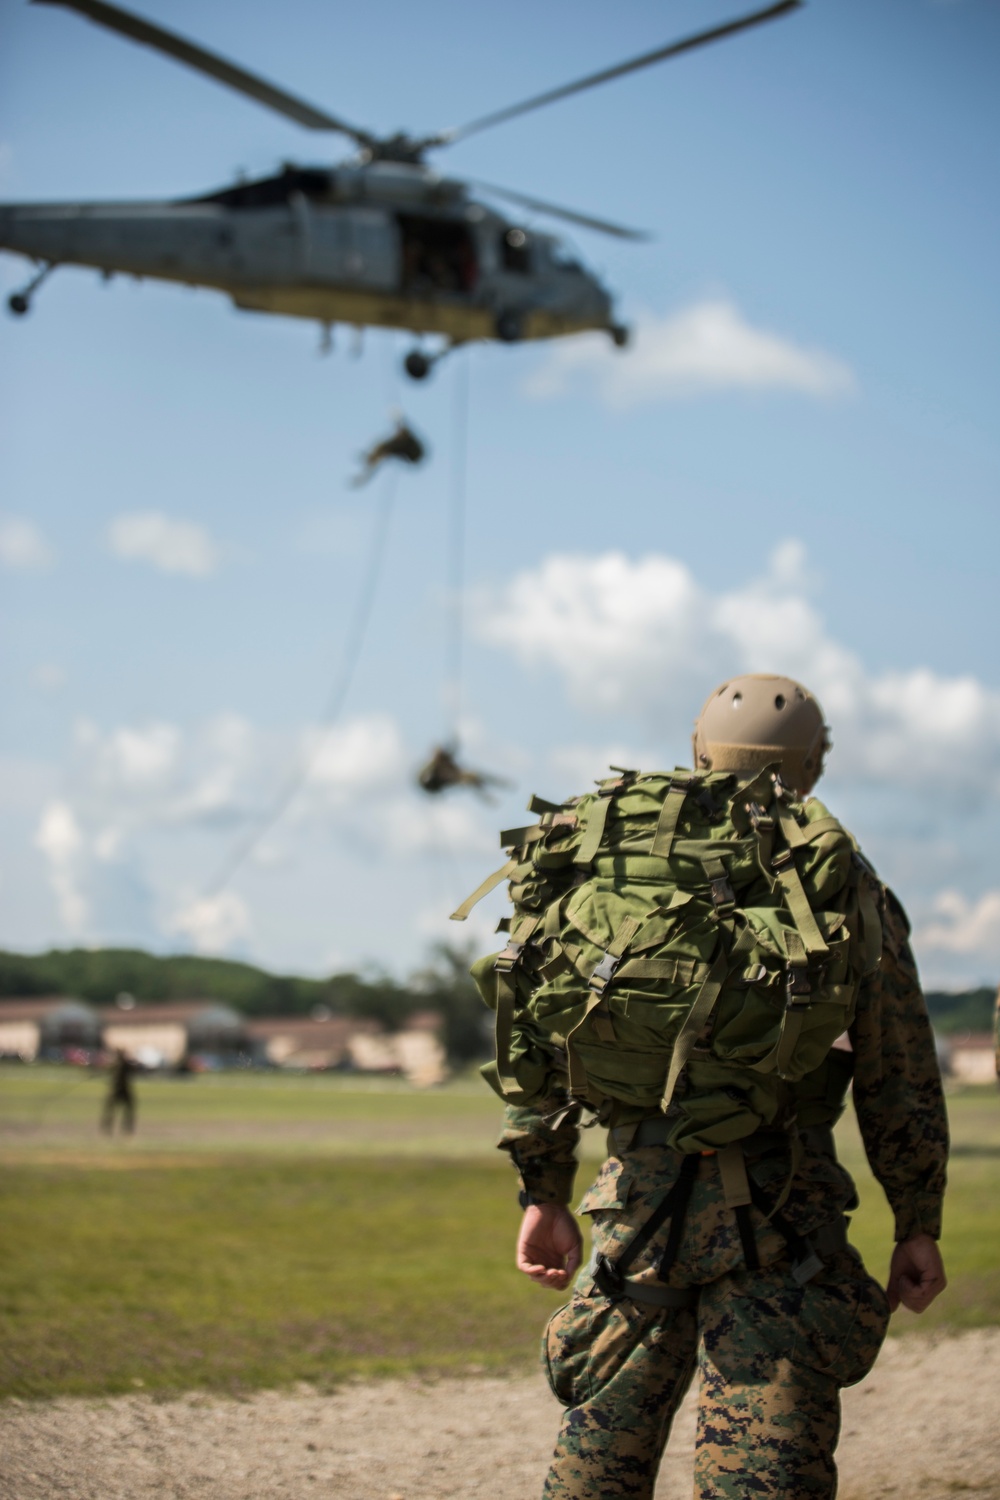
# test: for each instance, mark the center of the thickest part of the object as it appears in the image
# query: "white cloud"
(964, 927)
(706, 348)
(214, 923)
(149, 797)
(171, 545)
(361, 755)
(60, 839)
(646, 638)
(22, 545)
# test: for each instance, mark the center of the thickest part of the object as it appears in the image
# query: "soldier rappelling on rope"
(443, 771)
(402, 444)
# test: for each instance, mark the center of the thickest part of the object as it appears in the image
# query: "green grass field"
(260, 1231)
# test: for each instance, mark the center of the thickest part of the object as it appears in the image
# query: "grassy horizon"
(260, 1232)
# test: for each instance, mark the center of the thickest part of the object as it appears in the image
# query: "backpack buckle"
(603, 973)
(798, 987)
(509, 958)
(760, 819)
(723, 895)
(609, 1279)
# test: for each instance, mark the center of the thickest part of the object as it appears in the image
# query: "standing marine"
(120, 1095)
(704, 964)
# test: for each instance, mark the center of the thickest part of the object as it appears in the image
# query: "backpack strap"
(694, 1021)
(666, 824)
(597, 1006)
(597, 818)
(783, 865)
(609, 1276)
(504, 966)
(701, 1010)
(489, 884)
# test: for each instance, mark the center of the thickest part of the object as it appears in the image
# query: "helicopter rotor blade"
(587, 221)
(139, 30)
(673, 49)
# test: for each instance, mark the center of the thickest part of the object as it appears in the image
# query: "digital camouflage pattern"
(772, 1355)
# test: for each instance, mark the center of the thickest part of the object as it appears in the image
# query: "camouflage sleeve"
(542, 1140)
(897, 1085)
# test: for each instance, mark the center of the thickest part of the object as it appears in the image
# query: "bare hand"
(550, 1245)
(916, 1274)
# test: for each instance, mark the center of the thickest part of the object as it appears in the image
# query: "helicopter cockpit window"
(438, 255)
(564, 260)
(515, 252)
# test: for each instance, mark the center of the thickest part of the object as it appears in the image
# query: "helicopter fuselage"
(386, 244)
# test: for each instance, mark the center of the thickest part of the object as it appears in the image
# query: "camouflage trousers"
(771, 1353)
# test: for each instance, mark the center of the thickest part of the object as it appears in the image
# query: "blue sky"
(795, 467)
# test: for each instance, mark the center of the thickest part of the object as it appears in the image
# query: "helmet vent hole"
(779, 701)
(737, 700)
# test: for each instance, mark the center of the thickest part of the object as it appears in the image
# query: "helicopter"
(378, 240)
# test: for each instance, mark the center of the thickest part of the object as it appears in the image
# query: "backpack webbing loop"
(666, 824)
(685, 971)
(720, 886)
(597, 820)
(604, 971)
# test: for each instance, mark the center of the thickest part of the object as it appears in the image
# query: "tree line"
(100, 975)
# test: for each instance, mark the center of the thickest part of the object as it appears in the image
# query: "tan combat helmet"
(750, 722)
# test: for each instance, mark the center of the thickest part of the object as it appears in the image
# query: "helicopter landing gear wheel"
(20, 302)
(509, 327)
(417, 365)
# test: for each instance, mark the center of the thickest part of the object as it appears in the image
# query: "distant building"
(349, 1042)
(164, 1035)
(307, 1042)
(971, 1058)
(47, 1027)
(415, 1051)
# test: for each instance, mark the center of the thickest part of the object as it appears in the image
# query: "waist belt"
(655, 1129)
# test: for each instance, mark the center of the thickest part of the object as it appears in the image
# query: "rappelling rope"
(353, 646)
(454, 642)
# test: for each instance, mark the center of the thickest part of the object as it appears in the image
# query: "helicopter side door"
(346, 246)
(438, 255)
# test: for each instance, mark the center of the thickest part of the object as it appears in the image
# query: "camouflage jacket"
(897, 1098)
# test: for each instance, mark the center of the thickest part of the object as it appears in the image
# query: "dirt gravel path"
(923, 1426)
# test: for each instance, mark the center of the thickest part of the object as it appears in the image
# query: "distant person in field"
(120, 1095)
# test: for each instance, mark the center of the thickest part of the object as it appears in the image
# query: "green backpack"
(690, 943)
